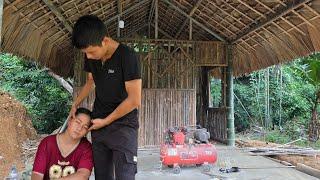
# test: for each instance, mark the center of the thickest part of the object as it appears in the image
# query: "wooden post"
(80, 77)
(118, 29)
(190, 29)
(230, 99)
(1, 15)
(204, 102)
(267, 119)
(119, 17)
(156, 19)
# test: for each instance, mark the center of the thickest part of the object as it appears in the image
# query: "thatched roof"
(264, 32)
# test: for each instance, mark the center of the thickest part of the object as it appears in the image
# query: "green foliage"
(46, 101)
(215, 89)
(277, 137)
(290, 103)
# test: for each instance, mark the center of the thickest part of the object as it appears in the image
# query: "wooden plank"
(59, 15)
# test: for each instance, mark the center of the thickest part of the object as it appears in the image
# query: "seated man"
(67, 155)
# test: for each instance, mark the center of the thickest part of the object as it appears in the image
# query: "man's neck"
(110, 50)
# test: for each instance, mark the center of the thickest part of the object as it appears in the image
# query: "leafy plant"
(46, 101)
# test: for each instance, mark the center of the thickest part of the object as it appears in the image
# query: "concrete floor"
(149, 168)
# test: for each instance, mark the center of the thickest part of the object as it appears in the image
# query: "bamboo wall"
(164, 108)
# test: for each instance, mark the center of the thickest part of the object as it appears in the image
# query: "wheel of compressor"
(206, 167)
(176, 170)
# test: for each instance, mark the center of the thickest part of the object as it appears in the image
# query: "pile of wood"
(270, 151)
(260, 148)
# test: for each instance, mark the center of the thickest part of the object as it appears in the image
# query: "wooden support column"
(230, 98)
(156, 19)
(204, 94)
(1, 16)
(150, 18)
(190, 29)
(119, 17)
(80, 77)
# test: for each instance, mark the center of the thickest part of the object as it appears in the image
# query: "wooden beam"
(151, 11)
(59, 15)
(156, 19)
(119, 17)
(283, 11)
(195, 7)
(265, 6)
(228, 14)
(294, 26)
(252, 9)
(136, 30)
(303, 18)
(10, 4)
(190, 29)
(312, 10)
(134, 7)
(195, 21)
(163, 32)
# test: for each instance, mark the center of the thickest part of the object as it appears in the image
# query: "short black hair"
(83, 111)
(88, 31)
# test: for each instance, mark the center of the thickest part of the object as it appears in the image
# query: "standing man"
(114, 70)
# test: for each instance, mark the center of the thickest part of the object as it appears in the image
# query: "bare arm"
(81, 174)
(86, 89)
(133, 100)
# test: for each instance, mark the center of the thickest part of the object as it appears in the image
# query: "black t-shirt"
(109, 79)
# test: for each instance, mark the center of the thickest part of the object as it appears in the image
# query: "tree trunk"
(314, 124)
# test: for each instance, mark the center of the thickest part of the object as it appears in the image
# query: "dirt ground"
(312, 161)
(15, 128)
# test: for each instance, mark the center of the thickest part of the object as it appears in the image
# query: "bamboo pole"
(230, 99)
(156, 19)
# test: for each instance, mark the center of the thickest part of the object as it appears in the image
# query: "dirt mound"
(16, 127)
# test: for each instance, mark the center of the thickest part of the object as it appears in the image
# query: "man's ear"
(105, 41)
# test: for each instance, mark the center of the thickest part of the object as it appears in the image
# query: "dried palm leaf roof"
(263, 32)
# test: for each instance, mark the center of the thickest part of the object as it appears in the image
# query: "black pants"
(115, 152)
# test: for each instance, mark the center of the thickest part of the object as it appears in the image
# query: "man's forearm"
(84, 92)
(124, 108)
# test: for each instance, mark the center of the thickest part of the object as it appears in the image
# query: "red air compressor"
(187, 146)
